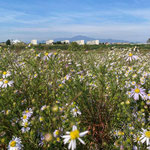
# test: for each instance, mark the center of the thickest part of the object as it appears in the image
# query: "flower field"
(75, 100)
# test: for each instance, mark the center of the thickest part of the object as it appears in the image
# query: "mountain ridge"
(86, 38)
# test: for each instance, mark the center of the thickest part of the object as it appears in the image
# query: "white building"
(80, 42)
(15, 41)
(34, 42)
(65, 41)
(49, 42)
(94, 42)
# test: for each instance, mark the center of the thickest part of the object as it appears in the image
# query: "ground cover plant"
(75, 100)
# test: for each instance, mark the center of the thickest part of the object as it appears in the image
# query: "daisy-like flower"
(76, 111)
(25, 127)
(131, 57)
(136, 138)
(28, 112)
(72, 136)
(133, 83)
(148, 96)
(15, 144)
(6, 74)
(128, 93)
(56, 133)
(43, 107)
(136, 92)
(47, 56)
(145, 137)
(25, 117)
(1, 82)
(148, 102)
(6, 83)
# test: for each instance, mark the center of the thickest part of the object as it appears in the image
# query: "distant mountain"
(85, 38)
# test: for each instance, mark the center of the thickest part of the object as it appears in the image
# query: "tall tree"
(8, 42)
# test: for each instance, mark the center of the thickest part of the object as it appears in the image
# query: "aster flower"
(6, 74)
(148, 96)
(72, 136)
(131, 57)
(76, 111)
(43, 107)
(145, 137)
(28, 112)
(56, 133)
(25, 117)
(25, 127)
(5, 83)
(136, 92)
(47, 56)
(15, 144)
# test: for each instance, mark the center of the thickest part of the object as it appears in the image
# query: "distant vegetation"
(73, 46)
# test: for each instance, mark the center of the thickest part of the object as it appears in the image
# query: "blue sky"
(50, 19)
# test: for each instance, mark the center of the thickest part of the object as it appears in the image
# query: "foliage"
(8, 42)
(87, 89)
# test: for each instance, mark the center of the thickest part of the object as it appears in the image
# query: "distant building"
(148, 41)
(34, 42)
(65, 41)
(49, 42)
(15, 41)
(80, 42)
(94, 42)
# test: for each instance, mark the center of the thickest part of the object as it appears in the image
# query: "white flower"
(148, 96)
(28, 112)
(43, 107)
(25, 127)
(56, 133)
(72, 136)
(5, 83)
(47, 56)
(148, 102)
(145, 137)
(133, 83)
(6, 74)
(131, 57)
(25, 117)
(136, 138)
(136, 92)
(15, 144)
(76, 111)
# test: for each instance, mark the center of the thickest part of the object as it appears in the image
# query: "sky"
(49, 19)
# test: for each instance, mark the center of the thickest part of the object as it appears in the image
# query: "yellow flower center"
(75, 110)
(6, 81)
(57, 132)
(27, 111)
(147, 134)
(138, 139)
(120, 133)
(137, 90)
(4, 73)
(148, 94)
(13, 144)
(41, 118)
(24, 116)
(74, 134)
(130, 54)
(26, 124)
(46, 54)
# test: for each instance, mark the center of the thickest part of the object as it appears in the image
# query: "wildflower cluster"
(48, 98)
